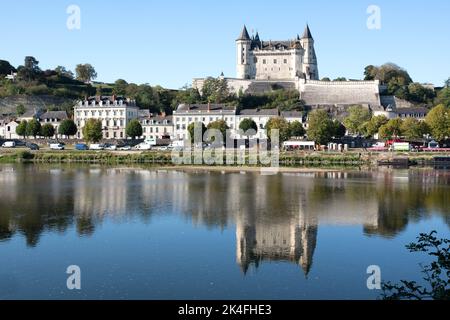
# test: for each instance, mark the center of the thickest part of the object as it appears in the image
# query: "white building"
(54, 118)
(260, 116)
(8, 130)
(157, 127)
(206, 113)
(114, 113)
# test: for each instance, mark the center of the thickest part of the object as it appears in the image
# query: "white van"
(143, 146)
(9, 144)
(97, 146)
(56, 146)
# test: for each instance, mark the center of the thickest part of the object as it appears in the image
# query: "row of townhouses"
(116, 112)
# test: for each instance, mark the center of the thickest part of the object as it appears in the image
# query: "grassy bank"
(287, 159)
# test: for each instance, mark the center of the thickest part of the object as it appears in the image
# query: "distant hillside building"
(263, 66)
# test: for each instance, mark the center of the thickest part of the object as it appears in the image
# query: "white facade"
(8, 130)
(276, 60)
(157, 127)
(114, 113)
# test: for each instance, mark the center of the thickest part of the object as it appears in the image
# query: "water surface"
(140, 233)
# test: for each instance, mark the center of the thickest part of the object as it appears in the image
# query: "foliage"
(358, 115)
(6, 68)
(340, 79)
(392, 129)
(85, 72)
(414, 129)
(280, 124)
(339, 129)
(321, 127)
(420, 94)
(220, 125)
(196, 126)
(20, 110)
(443, 97)
(216, 90)
(134, 129)
(438, 119)
(437, 273)
(21, 129)
(374, 124)
(92, 131)
(47, 130)
(67, 128)
(248, 124)
(296, 129)
(284, 100)
(33, 128)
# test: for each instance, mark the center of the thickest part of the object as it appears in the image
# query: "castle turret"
(310, 69)
(243, 63)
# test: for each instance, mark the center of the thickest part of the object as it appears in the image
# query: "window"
(274, 61)
(264, 61)
(285, 61)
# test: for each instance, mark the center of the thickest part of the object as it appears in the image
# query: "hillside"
(8, 105)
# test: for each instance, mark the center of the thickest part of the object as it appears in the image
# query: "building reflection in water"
(276, 217)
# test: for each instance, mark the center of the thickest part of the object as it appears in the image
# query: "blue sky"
(170, 42)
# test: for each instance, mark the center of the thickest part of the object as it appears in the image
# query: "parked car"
(97, 146)
(32, 146)
(143, 146)
(111, 147)
(163, 148)
(56, 146)
(81, 147)
(125, 148)
(9, 144)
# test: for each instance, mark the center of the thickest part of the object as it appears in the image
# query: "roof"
(60, 115)
(307, 33)
(158, 119)
(415, 110)
(292, 114)
(259, 112)
(196, 108)
(244, 34)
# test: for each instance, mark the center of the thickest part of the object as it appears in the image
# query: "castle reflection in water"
(276, 217)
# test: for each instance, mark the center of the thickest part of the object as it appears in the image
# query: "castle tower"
(243, 47)
(310, 69)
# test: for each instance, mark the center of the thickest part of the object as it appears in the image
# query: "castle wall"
(273, 65)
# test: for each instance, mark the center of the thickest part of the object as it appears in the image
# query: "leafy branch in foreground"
(437, 273)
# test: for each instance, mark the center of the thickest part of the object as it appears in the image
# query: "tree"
(92, 131)
(120, 87)
(193, 126)
(30, 70)
(392, 129)
(296, 129)
(418, 93)
(215, 90)
(436, 273)
(321, 128)
(358, 115)
(281, 125)
(63, 72)
(370, 72)
(443, 97)
(438, 119)
(6, 68)
(21, 129)
(33, 128)
(248, 124)
(47, 131)
(447, 83)
(220, 125)
(339, 129)
(67, 128)
(31, 63)
(374, 124)
(340, 79)
(134, 129)
(20, 110)
(85, 72)
(326, 79)
(414, 129)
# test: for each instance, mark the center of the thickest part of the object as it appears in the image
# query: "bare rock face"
(9, 104)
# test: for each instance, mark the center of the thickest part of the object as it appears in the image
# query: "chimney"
(209, 106)
(163, 114)
(113, 97)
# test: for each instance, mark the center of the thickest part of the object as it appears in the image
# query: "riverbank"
(164, 159)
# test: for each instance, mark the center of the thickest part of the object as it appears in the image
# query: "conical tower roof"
(307, 33)
(244, 34)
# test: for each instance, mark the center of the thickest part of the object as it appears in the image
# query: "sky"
(172, 41)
